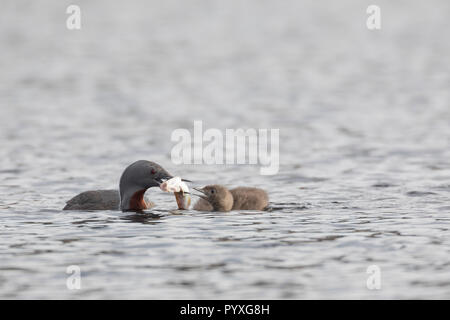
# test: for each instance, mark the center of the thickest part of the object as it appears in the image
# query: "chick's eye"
(213, 191)
(153, 171)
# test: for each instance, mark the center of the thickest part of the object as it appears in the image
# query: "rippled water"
(364, 147)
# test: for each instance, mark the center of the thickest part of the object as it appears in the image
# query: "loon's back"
(95, 200)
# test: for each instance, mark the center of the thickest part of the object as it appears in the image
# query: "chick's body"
(245, 198)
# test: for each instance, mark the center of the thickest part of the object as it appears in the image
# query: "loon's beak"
(161, 179)
(168, 177)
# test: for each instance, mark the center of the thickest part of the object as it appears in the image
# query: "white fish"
(180, 189)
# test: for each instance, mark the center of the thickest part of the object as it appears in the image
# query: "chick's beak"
(203, 195)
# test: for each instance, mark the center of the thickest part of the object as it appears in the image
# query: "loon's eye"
(153, 171)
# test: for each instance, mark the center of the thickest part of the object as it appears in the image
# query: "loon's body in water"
(135, 180)
(219, 198)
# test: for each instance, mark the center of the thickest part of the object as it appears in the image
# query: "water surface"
(363, 115)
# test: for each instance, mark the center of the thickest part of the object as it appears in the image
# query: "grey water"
(364, 176)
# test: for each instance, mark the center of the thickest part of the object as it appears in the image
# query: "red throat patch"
(137, 201)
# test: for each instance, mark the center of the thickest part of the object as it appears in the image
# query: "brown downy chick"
(219, 198)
